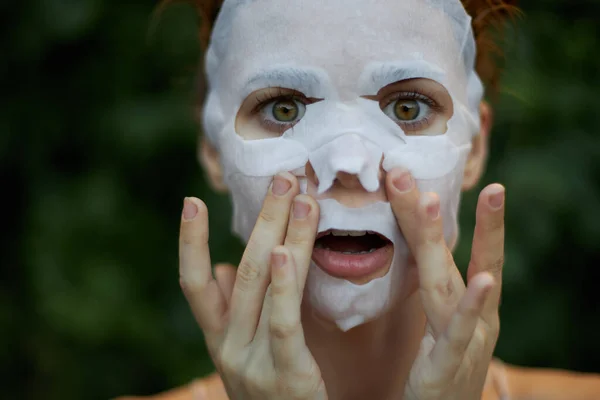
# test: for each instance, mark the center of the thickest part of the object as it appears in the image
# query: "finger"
(287, 338)
(301, 234)
(449, 350)
(253, 272)
(487, 254)
(404, 197)
(440, 282)
(225, 275)
(195, 275)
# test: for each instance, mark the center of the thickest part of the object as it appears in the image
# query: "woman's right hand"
(251, 318)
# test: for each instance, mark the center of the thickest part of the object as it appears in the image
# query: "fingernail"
(496, 200)
(300, 209)
(432, 206)
(280, 185)
(189, 209)
(403, 182)
(278, 259)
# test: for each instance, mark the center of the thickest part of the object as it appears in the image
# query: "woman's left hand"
(462, 321)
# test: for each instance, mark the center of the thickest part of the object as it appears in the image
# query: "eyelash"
(279, 95)
(434, 106)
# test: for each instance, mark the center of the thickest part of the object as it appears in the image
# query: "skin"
(267, 344)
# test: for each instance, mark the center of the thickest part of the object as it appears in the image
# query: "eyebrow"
(378, 75)
(307, 81)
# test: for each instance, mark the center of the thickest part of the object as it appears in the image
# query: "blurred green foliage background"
(98, 149)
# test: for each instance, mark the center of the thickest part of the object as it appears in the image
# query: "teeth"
(352, 253)
(339, 232)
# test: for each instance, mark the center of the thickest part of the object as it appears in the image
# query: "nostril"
(349, 181)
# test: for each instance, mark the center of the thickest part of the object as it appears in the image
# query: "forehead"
(342, 37)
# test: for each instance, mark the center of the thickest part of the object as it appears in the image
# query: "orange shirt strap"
(208, 388)
(504, 382)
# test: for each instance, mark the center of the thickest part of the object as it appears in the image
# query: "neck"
(372, 360)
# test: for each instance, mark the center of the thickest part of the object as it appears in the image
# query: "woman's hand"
(462, 322)
(251, 318)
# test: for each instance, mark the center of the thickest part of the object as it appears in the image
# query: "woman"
(345, 131)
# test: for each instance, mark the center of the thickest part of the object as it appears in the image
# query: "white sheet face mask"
(341, 51)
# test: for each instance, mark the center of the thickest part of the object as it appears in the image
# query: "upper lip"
(328, 231)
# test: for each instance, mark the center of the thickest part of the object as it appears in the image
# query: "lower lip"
(353, 265)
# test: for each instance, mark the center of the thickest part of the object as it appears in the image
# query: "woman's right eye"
(282, 113)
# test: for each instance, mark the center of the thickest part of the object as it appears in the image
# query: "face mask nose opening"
(350, 160)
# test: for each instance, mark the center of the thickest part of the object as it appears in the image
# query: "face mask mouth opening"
(357, 256)
(351, 242)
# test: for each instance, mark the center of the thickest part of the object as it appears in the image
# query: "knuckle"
(267, 215)
(458, 345)
(283, 328)
(189, 236)
(248, 271)
(297, 237)
(492, 327)
(434, 235)
(443, 289)
(257, 381)
(480, 337)
(484, 340)
(497, 265)
(226, 366)
(224, 358)
(469, 363)
(189, 287)
(428, 387)
(187, 240)
(493, 223)
(280, 288)
(300, 384)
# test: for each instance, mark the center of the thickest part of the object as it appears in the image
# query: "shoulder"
(548, 384)
(208, 388)
(508, 382)
(504, 382)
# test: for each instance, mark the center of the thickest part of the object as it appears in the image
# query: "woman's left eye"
(286, 111)
(407, 110)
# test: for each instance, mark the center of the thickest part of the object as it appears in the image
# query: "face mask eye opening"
(421, 107)
(268, 113)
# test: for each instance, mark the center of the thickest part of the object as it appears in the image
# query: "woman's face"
(340, 92)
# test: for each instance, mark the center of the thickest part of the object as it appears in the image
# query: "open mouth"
(353, 254)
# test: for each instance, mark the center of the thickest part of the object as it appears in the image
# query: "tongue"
(353, 244)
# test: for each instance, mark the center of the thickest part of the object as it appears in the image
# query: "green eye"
(407, 110)
(285, 110)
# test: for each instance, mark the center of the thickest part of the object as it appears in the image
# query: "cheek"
(448, 188)
(247, 194)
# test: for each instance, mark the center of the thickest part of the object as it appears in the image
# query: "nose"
(349, 160)
(346, 189)
(343, 179)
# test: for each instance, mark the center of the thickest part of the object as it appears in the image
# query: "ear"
(478, 156)
(210, 161)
